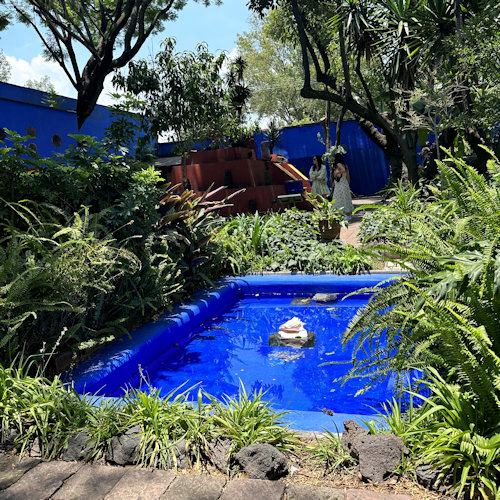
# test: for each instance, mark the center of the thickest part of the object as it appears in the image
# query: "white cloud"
(38, 67)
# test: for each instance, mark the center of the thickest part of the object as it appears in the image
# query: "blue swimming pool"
(222, 339)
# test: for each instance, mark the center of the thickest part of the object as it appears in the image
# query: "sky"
(218, 26)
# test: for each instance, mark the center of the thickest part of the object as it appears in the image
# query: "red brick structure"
(263, 180)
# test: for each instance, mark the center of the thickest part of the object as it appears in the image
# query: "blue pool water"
(234, 346)
(221, 340)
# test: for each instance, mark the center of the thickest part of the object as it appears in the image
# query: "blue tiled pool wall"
(117, 363)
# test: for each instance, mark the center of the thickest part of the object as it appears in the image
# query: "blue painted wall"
(21, 108)
(368, 167)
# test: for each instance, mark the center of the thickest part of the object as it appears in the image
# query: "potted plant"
(328, 219)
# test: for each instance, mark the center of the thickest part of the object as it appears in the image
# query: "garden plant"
(442, 318)
(94, 242)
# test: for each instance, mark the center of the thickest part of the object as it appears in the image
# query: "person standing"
(342, 192)
(319, 178)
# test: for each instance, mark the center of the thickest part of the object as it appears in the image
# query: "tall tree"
(100, 27)
(274, 72)
(311, 22)
(401, 36)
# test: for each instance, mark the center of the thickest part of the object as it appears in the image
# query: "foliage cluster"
(51, 411)
(285, 241)
(275, 73)
(186, 95)
(111, 34)
(443, 316)
(388, 222)
(99, 246)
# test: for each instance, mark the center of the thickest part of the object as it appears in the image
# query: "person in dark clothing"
(429, 163)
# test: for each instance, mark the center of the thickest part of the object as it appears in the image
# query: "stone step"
(30, 479)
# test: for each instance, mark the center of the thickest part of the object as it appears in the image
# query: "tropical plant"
(54, 276)
(40, 409)
(460, 438)
(444, 314)
(249, 419)
(386, 222)
(272, 134)
(325, 210)
(282, 242)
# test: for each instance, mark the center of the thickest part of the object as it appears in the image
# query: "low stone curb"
(31, 479)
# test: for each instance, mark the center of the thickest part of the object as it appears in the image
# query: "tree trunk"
(476, 141)
(328, 140)
(325, 125)
(90, 87)
(338, 130)
(392, 150)
(409, 155)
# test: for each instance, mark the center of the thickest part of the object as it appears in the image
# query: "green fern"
(445, 312)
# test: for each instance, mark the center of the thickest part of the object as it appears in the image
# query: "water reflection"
(234, 347)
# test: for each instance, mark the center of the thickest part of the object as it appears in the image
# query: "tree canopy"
(274, 73)
(112, 32)
(406, 40)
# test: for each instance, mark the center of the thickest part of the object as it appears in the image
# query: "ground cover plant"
(287, 241)
(443, 317)
(50, 411)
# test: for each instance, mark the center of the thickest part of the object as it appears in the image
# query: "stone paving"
(350, 234)
(32, 479)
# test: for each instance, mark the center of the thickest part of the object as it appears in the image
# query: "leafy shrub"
(101, 245)
(285, 241)
(445, 314)
(387, 222)
(461, 439)
(54, 277)
(119, 186)
(249, 419)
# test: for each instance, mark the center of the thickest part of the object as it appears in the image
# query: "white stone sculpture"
(293, 329)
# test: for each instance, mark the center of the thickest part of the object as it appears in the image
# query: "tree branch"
(141, 37)
(56, 56)
(77, 34)
(371, 103)
(345, 63)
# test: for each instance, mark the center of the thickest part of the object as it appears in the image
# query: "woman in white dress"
(342, 191)
(319, 178)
